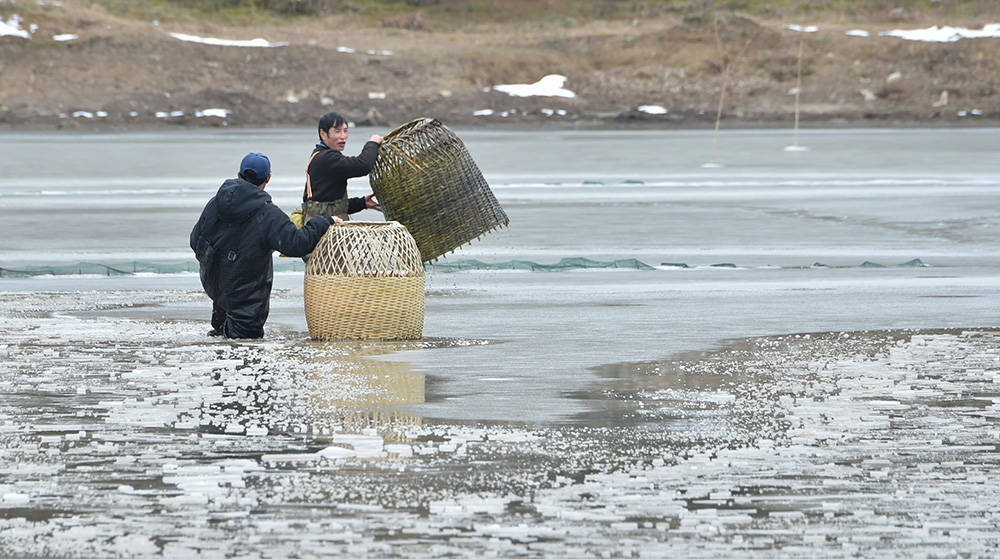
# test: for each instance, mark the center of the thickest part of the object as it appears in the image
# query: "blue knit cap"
(255, 167)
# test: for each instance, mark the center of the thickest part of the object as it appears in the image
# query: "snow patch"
(945, 34)
(549, 86)
(254, 43)
(373, 52)
(219, 113)
(653, 109)
(13, 27)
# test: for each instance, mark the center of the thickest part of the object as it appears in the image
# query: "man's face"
(335, 137)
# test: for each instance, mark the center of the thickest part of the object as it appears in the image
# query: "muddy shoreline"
(588, 124)
(132, 73)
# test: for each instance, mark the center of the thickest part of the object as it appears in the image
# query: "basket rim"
(353, 223)
(407, 127)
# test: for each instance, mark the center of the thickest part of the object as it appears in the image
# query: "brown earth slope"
(125, 70)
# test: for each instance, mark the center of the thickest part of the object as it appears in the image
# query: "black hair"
(251, 177)
(329, 120)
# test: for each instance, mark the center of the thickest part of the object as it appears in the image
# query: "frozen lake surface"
(792, 354)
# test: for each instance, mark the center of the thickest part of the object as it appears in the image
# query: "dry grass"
(459, 14)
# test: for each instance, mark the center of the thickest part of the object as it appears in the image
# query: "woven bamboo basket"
(365, 281)
(425, 179)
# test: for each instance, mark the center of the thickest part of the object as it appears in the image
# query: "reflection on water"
(388, 385)
(317, 390)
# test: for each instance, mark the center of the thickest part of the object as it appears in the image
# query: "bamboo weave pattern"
(365, 281)
(425, 179)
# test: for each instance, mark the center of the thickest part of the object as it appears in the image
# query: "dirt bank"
(129, 71)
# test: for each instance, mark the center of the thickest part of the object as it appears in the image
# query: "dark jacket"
(233, 241)
(330, 169)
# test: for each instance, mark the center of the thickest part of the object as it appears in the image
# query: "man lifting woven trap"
(233, 241)
(328, 170)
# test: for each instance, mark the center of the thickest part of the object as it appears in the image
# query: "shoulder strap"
(309, 187)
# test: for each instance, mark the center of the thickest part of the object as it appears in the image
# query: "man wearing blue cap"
(233, 241)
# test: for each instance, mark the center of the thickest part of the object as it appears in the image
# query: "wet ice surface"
(546, 413)
(142, 437)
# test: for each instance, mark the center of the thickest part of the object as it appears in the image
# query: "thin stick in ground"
(726, 69)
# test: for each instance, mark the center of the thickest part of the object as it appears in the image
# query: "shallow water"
(546, 412)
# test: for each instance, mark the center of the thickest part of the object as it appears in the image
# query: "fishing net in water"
(98, 269)
(425, 179)
(365, 281)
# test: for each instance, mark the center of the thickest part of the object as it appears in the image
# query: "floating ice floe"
(65, 37)
(15, 498)
(256, 431)
(549, 86)
(362, 445)
(945, 34)
(402, 450)
(803, 29)
(857, 33)
(653, 109)
(255, 43)
(13, 27)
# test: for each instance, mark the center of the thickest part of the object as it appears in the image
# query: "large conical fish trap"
(425, 179)
(365, 280)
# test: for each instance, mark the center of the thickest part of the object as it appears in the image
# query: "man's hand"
(375, 138)
(371, 203)
(337, 220)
